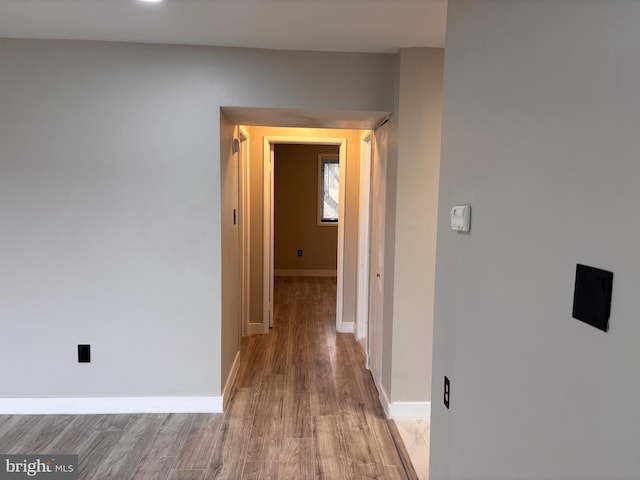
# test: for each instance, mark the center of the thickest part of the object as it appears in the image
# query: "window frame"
(323, 159)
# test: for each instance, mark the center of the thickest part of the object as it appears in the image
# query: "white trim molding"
(305, 273)
(364, 233)
(267, 235)
(384, 399)
(346, 327)
(420, 410)
(109, 405)
(244, 195)
(226, 393)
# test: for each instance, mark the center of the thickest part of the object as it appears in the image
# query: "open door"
(376, 275)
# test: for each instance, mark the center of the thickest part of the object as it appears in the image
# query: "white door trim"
(268, 238)
(245, 227)
(364, 221)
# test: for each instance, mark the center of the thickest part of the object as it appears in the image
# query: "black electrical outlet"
(592, 296)
(447, 391)
(299, 253)
(84, 353)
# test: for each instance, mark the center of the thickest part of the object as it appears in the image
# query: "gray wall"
(390, 234)
(411, 222)
(110, 203)
(419, 119)
(540, 136)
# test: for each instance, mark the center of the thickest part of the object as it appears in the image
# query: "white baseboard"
(109, 405)
(305, 273)
(384, 399)
(363, 348)
(410, 410)
(346, 327)
(420, 410)
(230, 379)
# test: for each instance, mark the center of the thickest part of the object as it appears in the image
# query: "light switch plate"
(461, 218)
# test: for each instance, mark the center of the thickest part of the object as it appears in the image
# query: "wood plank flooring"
(303, 407)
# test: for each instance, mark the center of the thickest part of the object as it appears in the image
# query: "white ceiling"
(329, 25)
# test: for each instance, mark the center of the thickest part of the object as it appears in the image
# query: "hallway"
(303, 407)
(303, 390)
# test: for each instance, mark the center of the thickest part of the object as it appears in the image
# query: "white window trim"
(322, 157)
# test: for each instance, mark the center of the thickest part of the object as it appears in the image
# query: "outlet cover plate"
(592, 296)
(84, 353)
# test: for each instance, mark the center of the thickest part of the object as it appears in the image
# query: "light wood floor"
(303, 407)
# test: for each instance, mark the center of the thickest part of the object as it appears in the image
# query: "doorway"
(306, 201)
(269, 270)
(344, 129)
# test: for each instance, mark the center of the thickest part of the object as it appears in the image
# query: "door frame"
(364, 240)
(244, 165)
(268, 222)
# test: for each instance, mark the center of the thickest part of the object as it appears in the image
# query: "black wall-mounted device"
(592, 296)
(84, 353)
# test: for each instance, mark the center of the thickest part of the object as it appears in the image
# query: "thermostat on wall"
(460, 215)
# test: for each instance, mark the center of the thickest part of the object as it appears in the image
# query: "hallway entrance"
(303, 404)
